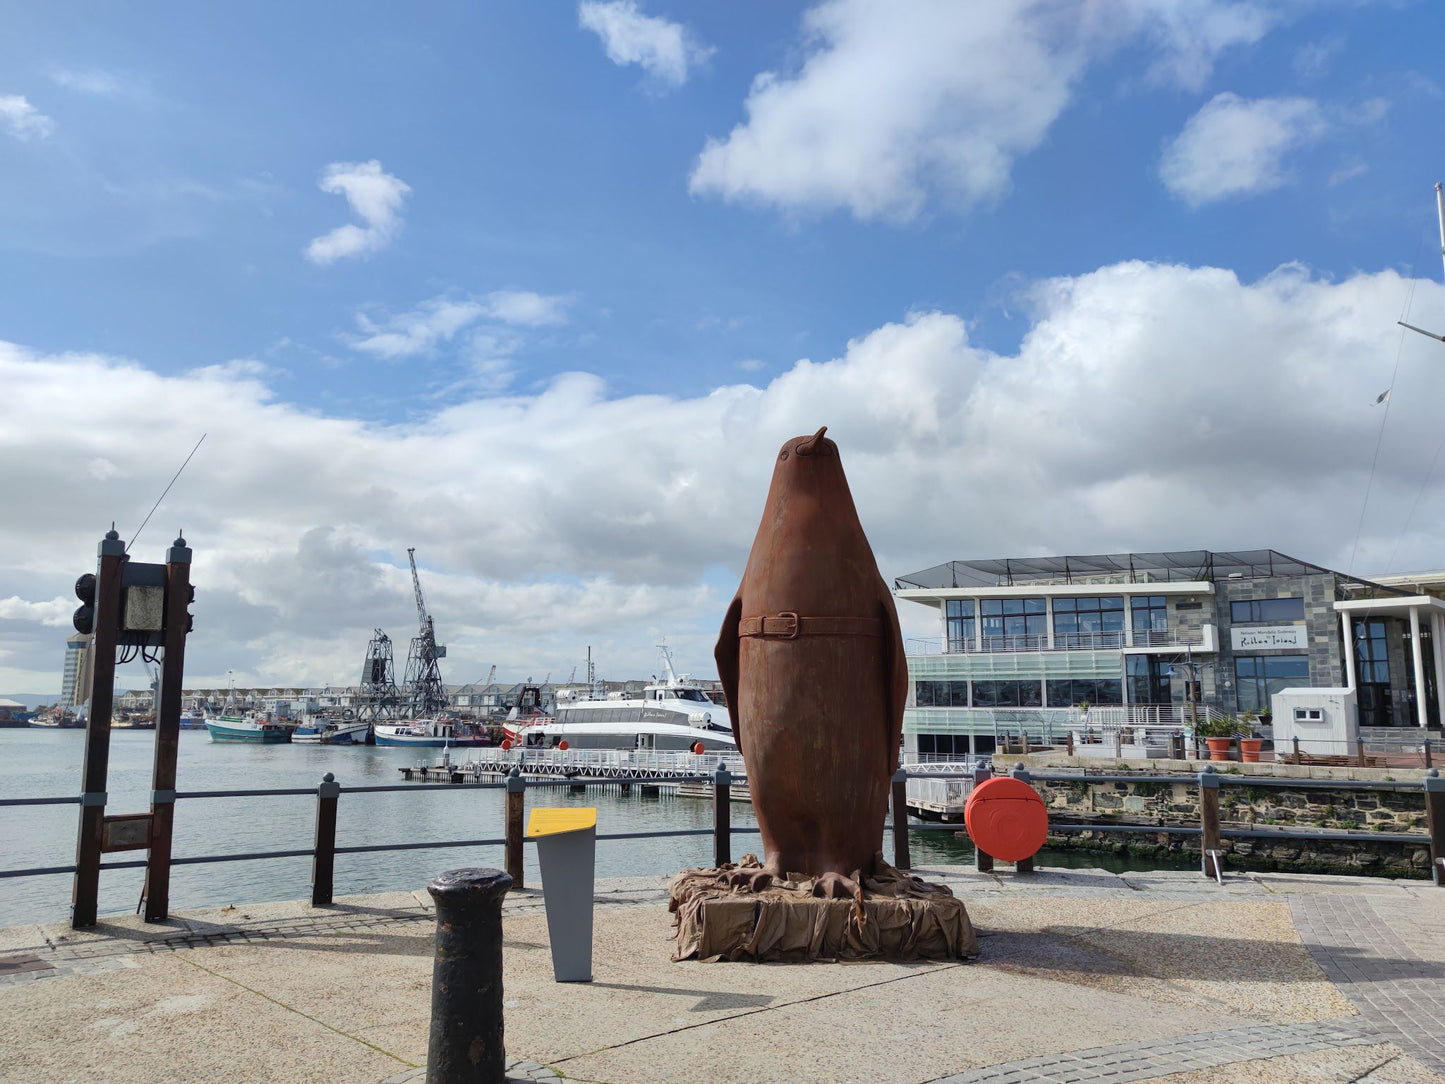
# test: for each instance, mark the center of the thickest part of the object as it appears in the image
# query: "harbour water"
(45, 763)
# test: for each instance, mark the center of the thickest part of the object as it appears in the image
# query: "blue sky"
(623, 190)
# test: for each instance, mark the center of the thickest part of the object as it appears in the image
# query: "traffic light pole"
(168, 732)
(86, 894)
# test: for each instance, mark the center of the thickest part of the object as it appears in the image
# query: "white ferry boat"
(427, 734)
(672, 714)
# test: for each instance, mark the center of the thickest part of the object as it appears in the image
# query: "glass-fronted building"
(1022, 642)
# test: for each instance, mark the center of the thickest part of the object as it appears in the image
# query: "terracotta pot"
(1219, 747)
(1249, 749)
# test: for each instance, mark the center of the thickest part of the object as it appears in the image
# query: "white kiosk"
(1323, 720)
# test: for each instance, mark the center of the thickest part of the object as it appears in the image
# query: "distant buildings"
(1022, 640)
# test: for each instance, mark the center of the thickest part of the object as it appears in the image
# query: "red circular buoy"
(1006, 818)
(562, 745)
(697, 747)
(506, 744)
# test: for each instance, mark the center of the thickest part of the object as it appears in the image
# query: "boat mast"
(1440, 215)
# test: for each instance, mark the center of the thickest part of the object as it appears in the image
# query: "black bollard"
(466, 990)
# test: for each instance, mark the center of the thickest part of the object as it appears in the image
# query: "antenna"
(172, 482)
(1440, 214)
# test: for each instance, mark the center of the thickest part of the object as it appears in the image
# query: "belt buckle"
(792, 633)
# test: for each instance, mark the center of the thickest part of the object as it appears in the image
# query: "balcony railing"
(1061, 641)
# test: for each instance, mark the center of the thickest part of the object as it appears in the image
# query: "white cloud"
(438, 320)
(90, 81)
(899, 100)
(663, 49)
(567, 516)
(375, 197)
(53, 614)
(22, 120)
(1236, 147)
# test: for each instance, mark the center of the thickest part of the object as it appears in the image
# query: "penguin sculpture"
(811, 658)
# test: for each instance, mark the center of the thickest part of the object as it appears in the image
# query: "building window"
(1089, 622)
(959, 613)
(1267, 609)
(943, 745)
(941, 694)
(1008, 694)
(1257, 677)
(1066, 692)
(1371, 654)
(1149, 615)
(1014, 624)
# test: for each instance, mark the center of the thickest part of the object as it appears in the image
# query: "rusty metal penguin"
(811, 658)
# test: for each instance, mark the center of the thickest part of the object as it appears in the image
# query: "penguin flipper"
(726, 654)
(895, 672)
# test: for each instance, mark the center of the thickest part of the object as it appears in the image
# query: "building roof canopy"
(1197, 565)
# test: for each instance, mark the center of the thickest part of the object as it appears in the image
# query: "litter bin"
(566, 841)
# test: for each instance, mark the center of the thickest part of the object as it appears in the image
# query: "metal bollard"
(516, 795)
(466, 1044)
(323, 855)
(722, 845)
(901, 857)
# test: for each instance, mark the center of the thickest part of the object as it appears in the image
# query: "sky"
(539, 289)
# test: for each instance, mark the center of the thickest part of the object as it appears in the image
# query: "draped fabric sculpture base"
(896, 918)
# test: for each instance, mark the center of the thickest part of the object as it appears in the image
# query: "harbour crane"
(426, 694)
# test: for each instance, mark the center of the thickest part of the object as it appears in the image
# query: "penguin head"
(808, 451)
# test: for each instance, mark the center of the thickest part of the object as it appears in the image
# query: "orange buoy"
(697, 747)
(562, 745)
(1006, 818)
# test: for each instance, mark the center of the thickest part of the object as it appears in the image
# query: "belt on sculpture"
(789, 626)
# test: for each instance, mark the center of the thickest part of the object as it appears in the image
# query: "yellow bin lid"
(557, 820)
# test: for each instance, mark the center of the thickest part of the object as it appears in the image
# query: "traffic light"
(84, 616)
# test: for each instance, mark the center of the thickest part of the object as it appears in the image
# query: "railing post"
(1360, 752)
(981, 861)
(722, 810)
(516, 795)
(1296, 748)
(1427, 754)
(1435, 820)
(1069, 744)
(1023, 865)
(902, 859)
(466, 1042)
(323, 857)
(1210, 860)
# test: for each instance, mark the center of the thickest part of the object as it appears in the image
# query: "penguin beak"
(809, 446)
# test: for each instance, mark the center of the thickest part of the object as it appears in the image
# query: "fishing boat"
(249, 727)
(330, 732)
(427, 734)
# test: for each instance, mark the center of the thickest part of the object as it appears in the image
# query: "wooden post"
(1360, 752)
(516, 800)
(323, 856)
(722, 803)
(1296, 748)
(1069, 743)
(1209, 824)
(85, 896)
(902, 859)
(981, 861)
(1435, 819)
(168, 733)
(1427, 754)
(1023, 865)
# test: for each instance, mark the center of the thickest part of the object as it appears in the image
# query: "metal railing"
(931, 778)
(1111, 640)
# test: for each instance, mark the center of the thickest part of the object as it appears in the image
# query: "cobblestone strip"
(1402, 995)
(1151, 1058)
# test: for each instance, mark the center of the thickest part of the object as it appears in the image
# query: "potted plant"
(1249, 745)
(1218, 733)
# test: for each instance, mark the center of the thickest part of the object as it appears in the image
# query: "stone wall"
(1174, 804)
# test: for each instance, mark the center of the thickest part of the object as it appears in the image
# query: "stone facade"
(1321, 622)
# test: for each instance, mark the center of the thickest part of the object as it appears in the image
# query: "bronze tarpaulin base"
(897, 918)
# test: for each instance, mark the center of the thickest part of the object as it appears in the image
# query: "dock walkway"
(1085, 976)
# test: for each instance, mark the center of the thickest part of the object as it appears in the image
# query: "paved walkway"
(1085, 976)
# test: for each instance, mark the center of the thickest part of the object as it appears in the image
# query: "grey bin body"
(568, 861)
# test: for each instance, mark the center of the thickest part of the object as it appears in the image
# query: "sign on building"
(1268, 637)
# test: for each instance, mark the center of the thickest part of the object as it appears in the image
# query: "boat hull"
(429, 742)
(247, 732)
